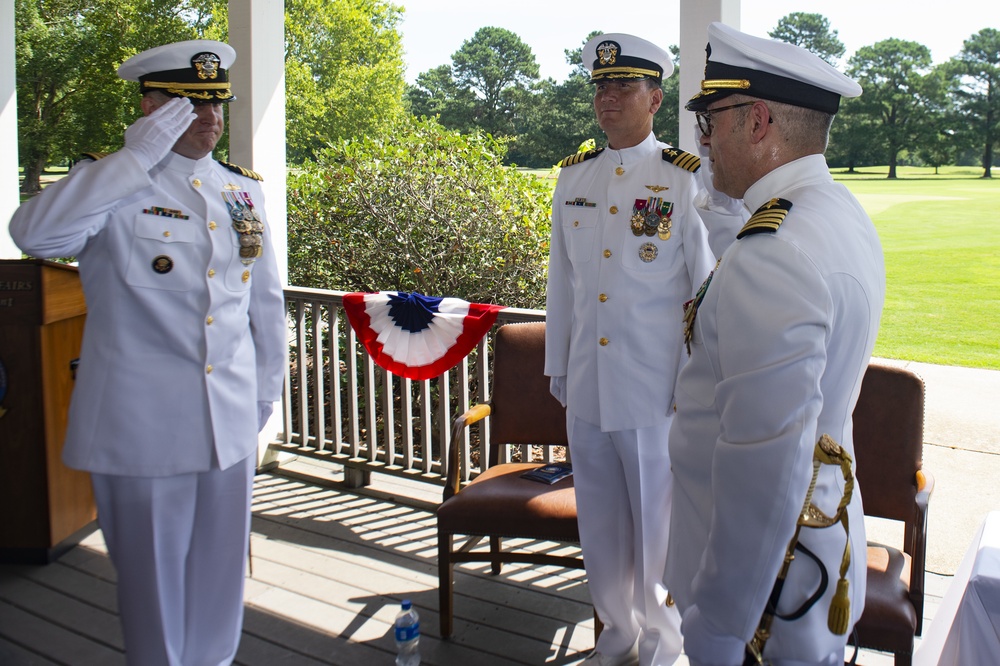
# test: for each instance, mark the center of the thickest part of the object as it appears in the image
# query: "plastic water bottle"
(407, 630)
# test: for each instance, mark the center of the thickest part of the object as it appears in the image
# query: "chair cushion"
(499, 502)
(889, 621)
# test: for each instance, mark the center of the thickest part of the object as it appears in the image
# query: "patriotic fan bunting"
(417, 336)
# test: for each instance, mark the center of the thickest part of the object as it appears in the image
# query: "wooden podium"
(48, 507)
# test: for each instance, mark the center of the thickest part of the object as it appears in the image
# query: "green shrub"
(420, 208)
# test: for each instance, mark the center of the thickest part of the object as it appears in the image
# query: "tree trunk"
(32, 183)
(988, 160)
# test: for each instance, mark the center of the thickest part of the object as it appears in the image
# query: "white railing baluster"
(357, 406)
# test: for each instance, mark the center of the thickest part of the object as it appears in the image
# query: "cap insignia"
(607, 52)
(207, 65)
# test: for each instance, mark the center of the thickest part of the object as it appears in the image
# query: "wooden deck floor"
(330, 567)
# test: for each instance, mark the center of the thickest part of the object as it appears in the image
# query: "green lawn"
(941, 239)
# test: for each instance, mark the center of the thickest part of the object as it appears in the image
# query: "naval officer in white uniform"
(628, 249)
(780, 339)
(183, 352)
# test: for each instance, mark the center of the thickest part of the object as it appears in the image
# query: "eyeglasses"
(705, 117)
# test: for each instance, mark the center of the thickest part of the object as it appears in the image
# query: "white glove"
(557, 387)
(264, 409)
(151, 137)
(716, 200)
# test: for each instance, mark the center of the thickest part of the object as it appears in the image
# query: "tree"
(417, 207)
(343, 71)
(898, 94)
(851, 143)
(812, 32)
(495, 64)
(435, 94)
(562, 116)
(69, 97)
(666, 119)
(976, 90)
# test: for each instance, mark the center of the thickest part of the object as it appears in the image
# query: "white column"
(695, 17)
(8, 128)
(257, 122)
(257, 117)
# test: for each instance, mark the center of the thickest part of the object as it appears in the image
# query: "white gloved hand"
(557, 387)
(151, 137)
(716, 200)
(264, 409)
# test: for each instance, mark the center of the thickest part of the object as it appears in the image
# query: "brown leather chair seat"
(500, 502)
(889, 615)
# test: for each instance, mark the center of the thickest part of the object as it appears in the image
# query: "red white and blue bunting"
(416, 336)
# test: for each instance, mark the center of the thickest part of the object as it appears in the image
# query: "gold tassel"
(840, 609)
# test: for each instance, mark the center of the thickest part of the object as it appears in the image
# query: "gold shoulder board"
(767, 219)
(682, 159)
(236, 168)
(576, 158)
(93, 155)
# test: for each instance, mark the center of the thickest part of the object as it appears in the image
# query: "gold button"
(245, 277)
(619, 171)
(196, 182)
(576, 223)
(602, 298)
(607, 253)
(211, 272)
(210, 320)
(212, 225)
(166, 234)
(208, 370)
(604, 342)
(614, 210)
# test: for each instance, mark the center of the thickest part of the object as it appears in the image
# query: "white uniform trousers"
(623, 485)
(179, 546)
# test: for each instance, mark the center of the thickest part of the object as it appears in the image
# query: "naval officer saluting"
(183, 352)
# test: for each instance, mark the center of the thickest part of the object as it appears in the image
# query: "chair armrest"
(918, 548)
(472, 415)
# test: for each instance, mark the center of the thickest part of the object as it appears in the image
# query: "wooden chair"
(888, 445)
(498, 503)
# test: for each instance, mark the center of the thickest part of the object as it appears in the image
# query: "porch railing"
(340, 407)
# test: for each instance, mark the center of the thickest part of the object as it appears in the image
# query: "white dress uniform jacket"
(614, 318)
(781, 342)
(173, 362)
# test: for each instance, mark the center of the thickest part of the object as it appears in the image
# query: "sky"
(434, 29)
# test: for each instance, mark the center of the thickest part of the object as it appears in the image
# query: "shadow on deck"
(329, 569)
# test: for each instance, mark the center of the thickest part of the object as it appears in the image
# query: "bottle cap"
(407, 604)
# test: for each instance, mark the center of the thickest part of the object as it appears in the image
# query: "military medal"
(651, 216)
(663, 228)
(246, 223)
(648, 252)
(637, 221)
